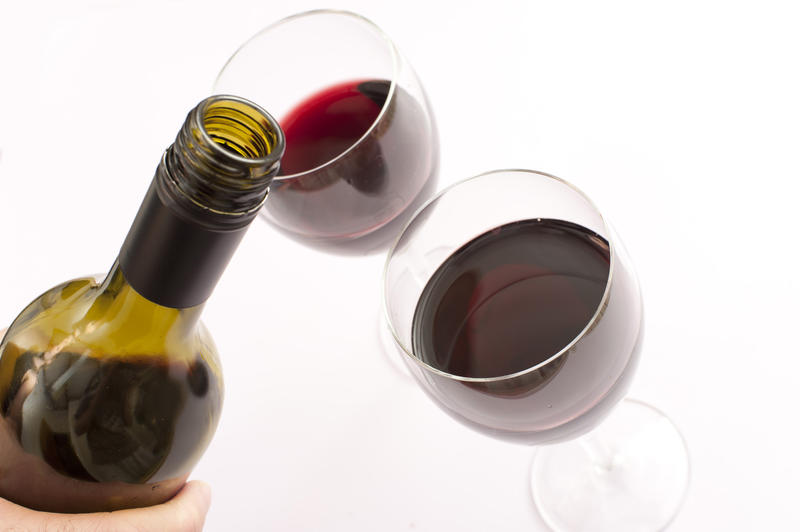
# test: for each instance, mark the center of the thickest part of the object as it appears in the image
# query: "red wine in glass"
(506, 314)
(358, 153)
(326, 124)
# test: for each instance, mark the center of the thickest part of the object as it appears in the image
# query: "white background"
(681, 119)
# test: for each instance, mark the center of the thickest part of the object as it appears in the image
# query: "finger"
(186, 512)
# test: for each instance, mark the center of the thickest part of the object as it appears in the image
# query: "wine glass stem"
(600, 455)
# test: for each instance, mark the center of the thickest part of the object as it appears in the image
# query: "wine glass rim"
(393, 52)
(589, 324)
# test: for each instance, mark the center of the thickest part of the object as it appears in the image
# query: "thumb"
(186, 512)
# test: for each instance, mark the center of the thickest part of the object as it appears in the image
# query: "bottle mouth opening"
(224, 157)
(241, 131)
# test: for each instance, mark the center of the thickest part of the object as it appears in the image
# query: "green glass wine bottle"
(111, 390)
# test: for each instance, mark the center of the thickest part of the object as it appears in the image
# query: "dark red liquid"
(510, 299)
(327, 123)
(357, 155)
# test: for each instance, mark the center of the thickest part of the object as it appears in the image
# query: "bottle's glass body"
(108, 400)
(111, 389)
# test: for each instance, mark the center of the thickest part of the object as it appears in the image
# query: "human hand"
(185, 512)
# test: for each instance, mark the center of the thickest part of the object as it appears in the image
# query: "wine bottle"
(111, 390)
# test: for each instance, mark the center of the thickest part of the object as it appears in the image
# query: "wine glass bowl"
(539, 396)
(361, 140)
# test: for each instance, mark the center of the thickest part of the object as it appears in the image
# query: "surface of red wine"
(511, 298)
(327, 123)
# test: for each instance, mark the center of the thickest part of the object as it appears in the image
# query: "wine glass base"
(629, 474)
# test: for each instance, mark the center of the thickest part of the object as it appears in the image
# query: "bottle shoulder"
(84, 317)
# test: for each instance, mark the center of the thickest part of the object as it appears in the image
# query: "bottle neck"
(207, 189)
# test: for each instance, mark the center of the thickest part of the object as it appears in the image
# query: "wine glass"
(361, 144)
(517, 311)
